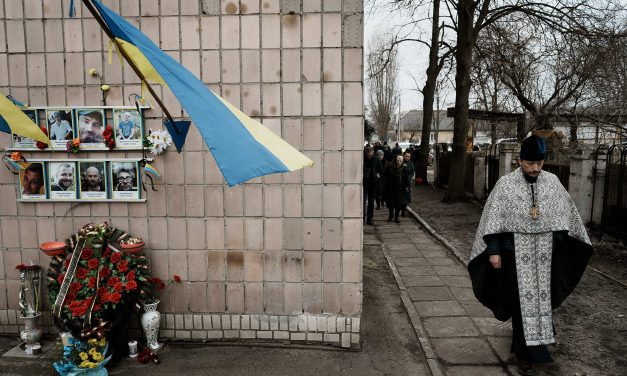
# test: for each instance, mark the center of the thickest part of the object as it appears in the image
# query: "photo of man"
(125, 182)
(21, 142)
(62, 180)
(128, 125)
(32, 181)
(60, 128)
(93, 183)
(90, 128)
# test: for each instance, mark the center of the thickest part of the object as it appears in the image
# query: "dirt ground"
(591, 325)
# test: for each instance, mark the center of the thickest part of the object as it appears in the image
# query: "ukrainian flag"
(242, 147)
(18, 123)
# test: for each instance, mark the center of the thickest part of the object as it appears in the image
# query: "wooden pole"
(130, 62)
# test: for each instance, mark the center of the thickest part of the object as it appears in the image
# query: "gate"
(492, 168)
(562, 170)
(615, 197)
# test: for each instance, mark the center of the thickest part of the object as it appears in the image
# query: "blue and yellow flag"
(18, 122)
(242, 147)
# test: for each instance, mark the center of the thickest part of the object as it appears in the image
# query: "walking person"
(395, 187)
(410, 170)
(378, 197)
(529, 253)
(372, 173)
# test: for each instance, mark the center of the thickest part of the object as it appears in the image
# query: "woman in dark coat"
(395, 185)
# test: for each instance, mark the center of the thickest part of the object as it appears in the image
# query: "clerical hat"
(533, 148)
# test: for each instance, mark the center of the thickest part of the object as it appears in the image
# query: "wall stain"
(246, 94)
(326, 76)
(266, 5)
(291, 20)
(273, 110)
(227, 92)
(231, 8)
(235, 258)
(254, 113)
(243, 8)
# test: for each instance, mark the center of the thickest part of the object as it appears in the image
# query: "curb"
(425, 344)
(440, 238)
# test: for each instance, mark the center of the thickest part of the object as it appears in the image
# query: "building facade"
(276, 258)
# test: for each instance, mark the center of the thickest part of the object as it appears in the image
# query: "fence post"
(508, 151)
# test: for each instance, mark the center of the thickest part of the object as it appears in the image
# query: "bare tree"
(382, 71)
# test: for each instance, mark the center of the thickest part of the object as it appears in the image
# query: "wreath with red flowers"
(105, 283)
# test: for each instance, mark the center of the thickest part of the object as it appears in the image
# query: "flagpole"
(130, 62)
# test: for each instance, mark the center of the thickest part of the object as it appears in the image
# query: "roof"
(412, 121)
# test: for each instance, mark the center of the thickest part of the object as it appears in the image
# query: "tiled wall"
(285, 244)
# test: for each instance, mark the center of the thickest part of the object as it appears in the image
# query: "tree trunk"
(428, 94)
(463, 55)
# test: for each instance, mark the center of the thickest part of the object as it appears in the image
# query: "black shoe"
(525, 368)
(389, 219)
(378, 207)
(370, 222)
(402, 214)
(396, 220)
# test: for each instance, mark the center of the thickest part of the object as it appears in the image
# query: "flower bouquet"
(131, 245)
(84, 358)
(94, 282)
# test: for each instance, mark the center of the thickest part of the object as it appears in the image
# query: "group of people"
(387, 180)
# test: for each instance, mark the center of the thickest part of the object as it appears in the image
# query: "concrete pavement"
(459, 336)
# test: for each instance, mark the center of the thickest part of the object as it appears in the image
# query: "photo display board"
(63, 124)
(80, 180)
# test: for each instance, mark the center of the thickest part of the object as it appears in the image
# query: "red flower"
(102, 291)
(74, 304)
(80, 311)
(104, 272)
(123, 266)
(75, 287)
(60, 278)
(116, 257)
(161, 285)
(66, 263)
(155, 280)
(70, 297)
(176, 278)
(130, 276)
(118, 286)
(107, 252)
(92, 282)
(93, 263)
(131, 285)
(87, 253)
(115, 297)
(113, 281)
(81, 273)
(42, 145)
(96, 308)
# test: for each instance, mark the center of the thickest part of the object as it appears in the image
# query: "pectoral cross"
(534, 212)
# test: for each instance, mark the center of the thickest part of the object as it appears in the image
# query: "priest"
(529, 253)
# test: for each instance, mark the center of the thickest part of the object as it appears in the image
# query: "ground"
(591, 324)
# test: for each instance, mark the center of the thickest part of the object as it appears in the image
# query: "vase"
(31, 333)
(29, 291)
(151, 320)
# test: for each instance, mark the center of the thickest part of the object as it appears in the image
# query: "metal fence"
(615, 197)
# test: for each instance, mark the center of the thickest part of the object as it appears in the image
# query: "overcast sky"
(412, 56)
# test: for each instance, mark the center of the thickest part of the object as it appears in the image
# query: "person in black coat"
(372, 173)
(395, 186)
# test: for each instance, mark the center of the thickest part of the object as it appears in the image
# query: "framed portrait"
(32, 182)
(128, 128)
(62, 180)
(21, 142)
(60, 127)
(93, 181)
(90, 124)
(125, 180)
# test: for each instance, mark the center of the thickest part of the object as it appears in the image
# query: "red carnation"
(92, 282)
(176, 278)
(80, 311)
(131, 285)
(104, 272)
(130, 276)
(161, 285)
(115, 297)
(70, 297)
(93, 263)
(42, 145)
(123, 266)
(66, 263)
(113, 281)
(87, 254)
(116, 257)
(96, 308)
(102, 290)
(118, 286)
(74, 304)
(60, 278)
(107, 252)
(75, 287)
(81, 273)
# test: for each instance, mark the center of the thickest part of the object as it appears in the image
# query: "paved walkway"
(459, 336)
